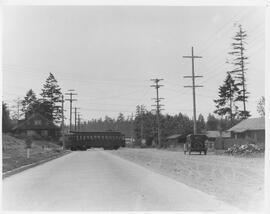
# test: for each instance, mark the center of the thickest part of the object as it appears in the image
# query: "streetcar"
(87, 140)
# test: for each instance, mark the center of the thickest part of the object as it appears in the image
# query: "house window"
(37, 122)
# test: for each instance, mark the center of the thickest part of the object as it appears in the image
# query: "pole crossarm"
(190, 86)
(192, 76)
(192, 57)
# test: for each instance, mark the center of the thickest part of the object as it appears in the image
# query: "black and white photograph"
(141, 107)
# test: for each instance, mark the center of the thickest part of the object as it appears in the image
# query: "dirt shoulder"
(14, 152)
(235, 180)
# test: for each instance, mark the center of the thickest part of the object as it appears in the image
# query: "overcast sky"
(109, 54)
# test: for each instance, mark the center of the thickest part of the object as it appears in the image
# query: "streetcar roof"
(98, 133)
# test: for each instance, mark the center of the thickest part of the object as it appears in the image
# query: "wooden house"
(37, 125)
(252, 129)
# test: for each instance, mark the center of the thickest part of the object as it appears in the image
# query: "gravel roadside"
(235, 180)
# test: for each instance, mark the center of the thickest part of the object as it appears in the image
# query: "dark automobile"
(195, 143)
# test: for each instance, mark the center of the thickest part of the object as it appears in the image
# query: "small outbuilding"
(176, 140)
(252, 129)
(214, 137)
(37, 125)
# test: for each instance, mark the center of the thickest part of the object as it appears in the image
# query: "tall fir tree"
(44, 108)
(225, 104)
(201, 125)
(239, 62)
(51, 93)
(6, 121)
(28, 103)
(212, 123)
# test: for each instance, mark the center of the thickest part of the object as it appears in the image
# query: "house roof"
(25, 125)
(249, 124)
(175, 136)
(216, 134)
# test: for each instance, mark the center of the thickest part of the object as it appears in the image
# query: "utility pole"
(193, 88)
(132, 128)
(75, 122)
(62, 124)
(71, 94)
(142, 114)
(79, 121)
(76, 118)
(157, 105)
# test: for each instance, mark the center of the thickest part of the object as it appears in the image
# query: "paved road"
(96, 180)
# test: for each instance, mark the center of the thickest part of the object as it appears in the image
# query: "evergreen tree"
(227, 95)
(6, 121)
(43, 107)
(201, 123)
(51, 93)
(239, 62)
(140, 118)
(212, 123)
(28, 103)
(261, 106)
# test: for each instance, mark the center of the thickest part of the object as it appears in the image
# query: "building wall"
(258, 136)
(30, 132)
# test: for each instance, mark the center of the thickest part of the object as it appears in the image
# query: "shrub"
(245, 149)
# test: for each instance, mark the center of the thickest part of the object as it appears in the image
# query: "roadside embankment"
(15, 156)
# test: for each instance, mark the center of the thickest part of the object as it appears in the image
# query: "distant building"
(37, 125)
(250, 129)
(176, 140)
(213, 135)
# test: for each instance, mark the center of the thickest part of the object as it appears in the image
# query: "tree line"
(142, 126)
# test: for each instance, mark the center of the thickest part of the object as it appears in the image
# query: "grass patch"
(14, 152)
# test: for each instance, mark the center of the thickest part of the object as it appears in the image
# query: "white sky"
(109, 54)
